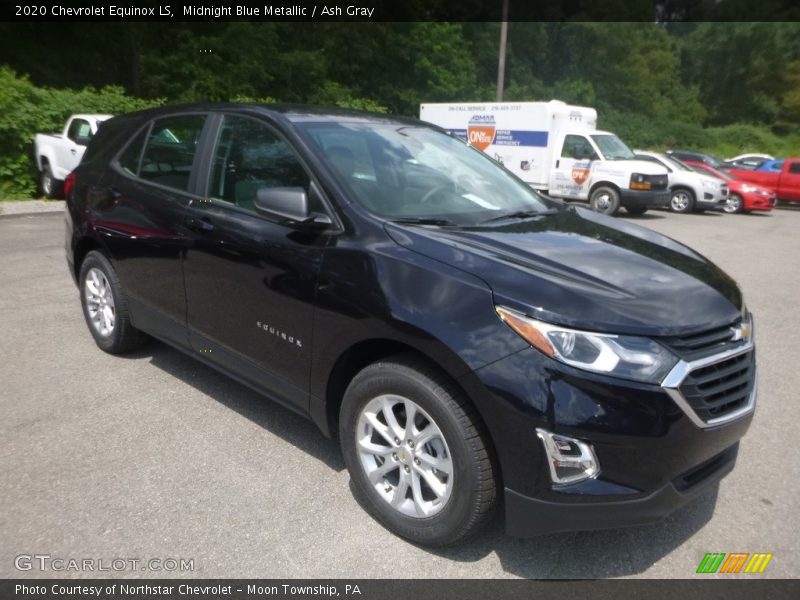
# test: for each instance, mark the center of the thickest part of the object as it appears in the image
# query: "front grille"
(703, 343)
(657, 182)
(716, 390)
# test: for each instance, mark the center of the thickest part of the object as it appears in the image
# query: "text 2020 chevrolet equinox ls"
(463, 336)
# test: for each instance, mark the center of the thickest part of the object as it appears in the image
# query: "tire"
(454, 505)
(49, 186)
(681, 201)
(734, 204)
(604, 200)
(105, 306)
(636, 210)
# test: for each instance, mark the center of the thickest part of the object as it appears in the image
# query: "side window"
(576, 146)
(131, 157)
(794, 167)
(169, 153)
(79, 131)
(248, 157)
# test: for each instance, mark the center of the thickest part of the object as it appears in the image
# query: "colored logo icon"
(734, 562)
(480, 131)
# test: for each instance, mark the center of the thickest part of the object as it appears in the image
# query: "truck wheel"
(605, 200)
(49, 186)
(734, 204)
(681, 201)
(636, 210)
(417, 454)
(105, 306)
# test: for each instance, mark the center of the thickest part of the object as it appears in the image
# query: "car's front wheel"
(604, 200)
(418, 455)
(49, 186)
(105, 306)
(681, 201)
(734, 204)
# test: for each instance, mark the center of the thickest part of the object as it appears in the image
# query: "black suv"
(465, 338)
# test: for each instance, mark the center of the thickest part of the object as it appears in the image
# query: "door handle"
(557, 163)
(203, 224)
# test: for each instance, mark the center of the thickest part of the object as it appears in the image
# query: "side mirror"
(289, 205)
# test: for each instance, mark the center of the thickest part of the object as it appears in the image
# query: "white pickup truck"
(58, 154)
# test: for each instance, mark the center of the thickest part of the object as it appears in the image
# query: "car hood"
(585, 270)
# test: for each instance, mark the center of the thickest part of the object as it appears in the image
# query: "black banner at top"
(402, 10)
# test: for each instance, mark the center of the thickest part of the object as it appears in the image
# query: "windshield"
(612, 147)
(674, 163)
(408, 172)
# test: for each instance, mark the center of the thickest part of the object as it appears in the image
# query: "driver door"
(570, 176)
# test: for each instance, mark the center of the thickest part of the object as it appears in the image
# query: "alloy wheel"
(404, 455)
(99, 302)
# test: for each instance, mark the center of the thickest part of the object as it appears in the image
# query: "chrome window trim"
(675, 378)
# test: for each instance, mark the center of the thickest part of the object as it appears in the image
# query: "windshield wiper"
(422, 221)
(522, 214)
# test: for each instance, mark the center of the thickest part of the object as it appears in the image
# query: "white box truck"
(557, 149)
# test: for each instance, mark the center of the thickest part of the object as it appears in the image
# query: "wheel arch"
(603, 183)
(85, 245)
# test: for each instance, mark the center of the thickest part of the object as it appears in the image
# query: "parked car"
(58, 154)
(750, 156)
(785, 184)
(689, 190)
(743, 197)
(771, 166)
(702, 157)
(462, 335)
(746, 161)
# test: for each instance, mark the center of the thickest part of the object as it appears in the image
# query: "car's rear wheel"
(681, 201)
(734, 204)
(105, 306)
(418, 455)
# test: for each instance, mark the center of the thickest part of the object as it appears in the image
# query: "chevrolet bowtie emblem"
(741, 332)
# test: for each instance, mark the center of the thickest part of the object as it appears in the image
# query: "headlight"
(710, 184)
(628, 357)
(749, 188)
(639, 182)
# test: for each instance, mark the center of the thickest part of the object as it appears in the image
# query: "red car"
(785, 183)
(742, 196)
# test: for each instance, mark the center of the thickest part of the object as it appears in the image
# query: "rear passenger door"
(250, 282)
(139, 210)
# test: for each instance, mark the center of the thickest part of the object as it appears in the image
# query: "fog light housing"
(570, 460)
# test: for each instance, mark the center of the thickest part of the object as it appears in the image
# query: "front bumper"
(528, 517)
(644, 199)
(653, 458)
(755, 201)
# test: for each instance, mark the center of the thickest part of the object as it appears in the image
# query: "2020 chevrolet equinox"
(467, 339)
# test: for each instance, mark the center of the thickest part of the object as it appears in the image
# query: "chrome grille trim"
(675, 378)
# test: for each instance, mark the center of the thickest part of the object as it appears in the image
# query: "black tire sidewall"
(114, 342)
(445, 526)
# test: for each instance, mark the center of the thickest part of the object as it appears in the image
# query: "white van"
(556, 148)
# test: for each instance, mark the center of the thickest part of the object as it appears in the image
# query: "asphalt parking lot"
(155, 456)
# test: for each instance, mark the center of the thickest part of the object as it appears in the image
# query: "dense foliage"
(723, 87)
